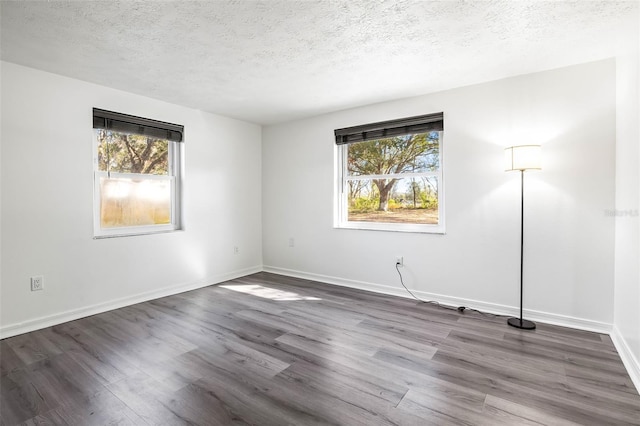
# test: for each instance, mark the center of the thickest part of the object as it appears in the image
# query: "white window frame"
(341, 208)
(174, 176)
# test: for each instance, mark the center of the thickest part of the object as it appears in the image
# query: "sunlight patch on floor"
(268, 293)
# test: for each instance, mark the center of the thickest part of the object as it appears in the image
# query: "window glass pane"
(134, 202)
(128, 153)
(403, 154)
(407, 200)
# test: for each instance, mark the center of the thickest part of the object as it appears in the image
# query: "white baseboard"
(630, 362)
(545, 317)
(74, 314)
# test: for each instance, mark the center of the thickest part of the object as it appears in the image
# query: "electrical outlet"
(37, 283)
(236, 249)
(399, 261)
(292, 242)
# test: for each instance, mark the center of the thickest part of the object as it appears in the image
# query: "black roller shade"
(391, 128)
(124, 123)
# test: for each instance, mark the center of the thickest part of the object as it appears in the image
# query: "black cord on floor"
(432, 302)
(460, 309)
(488, 314)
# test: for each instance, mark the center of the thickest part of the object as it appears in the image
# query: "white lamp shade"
(523, 157)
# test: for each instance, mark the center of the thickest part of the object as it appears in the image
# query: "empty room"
(314, 212)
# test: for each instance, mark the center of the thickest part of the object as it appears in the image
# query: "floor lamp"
(524, 157)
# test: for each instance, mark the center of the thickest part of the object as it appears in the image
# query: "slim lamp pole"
(521, 240)
(521, 322)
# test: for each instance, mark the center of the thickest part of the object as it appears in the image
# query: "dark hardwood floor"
(272, 350)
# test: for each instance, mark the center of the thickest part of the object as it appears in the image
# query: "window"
(390, 175)
(136, 174)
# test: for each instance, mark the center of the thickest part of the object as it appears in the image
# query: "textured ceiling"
(278, 60)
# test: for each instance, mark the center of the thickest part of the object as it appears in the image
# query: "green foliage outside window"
(416, 153)
(127, 201)
(127, 153)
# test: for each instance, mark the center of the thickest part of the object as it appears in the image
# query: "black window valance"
(391, 128)
(125, 123)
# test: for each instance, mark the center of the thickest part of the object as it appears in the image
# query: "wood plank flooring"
(273, 350)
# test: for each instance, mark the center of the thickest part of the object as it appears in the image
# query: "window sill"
(120, 232)
(393, 227)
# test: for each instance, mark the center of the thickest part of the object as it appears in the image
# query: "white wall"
(626, 331)
(569, 239)
(1, 97)
(46, 177)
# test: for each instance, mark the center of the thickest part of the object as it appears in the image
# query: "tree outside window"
(392, 183)
(135, 175)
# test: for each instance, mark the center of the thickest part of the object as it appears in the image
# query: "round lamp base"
(521, 323)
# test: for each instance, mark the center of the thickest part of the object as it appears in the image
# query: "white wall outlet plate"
(37, 283)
